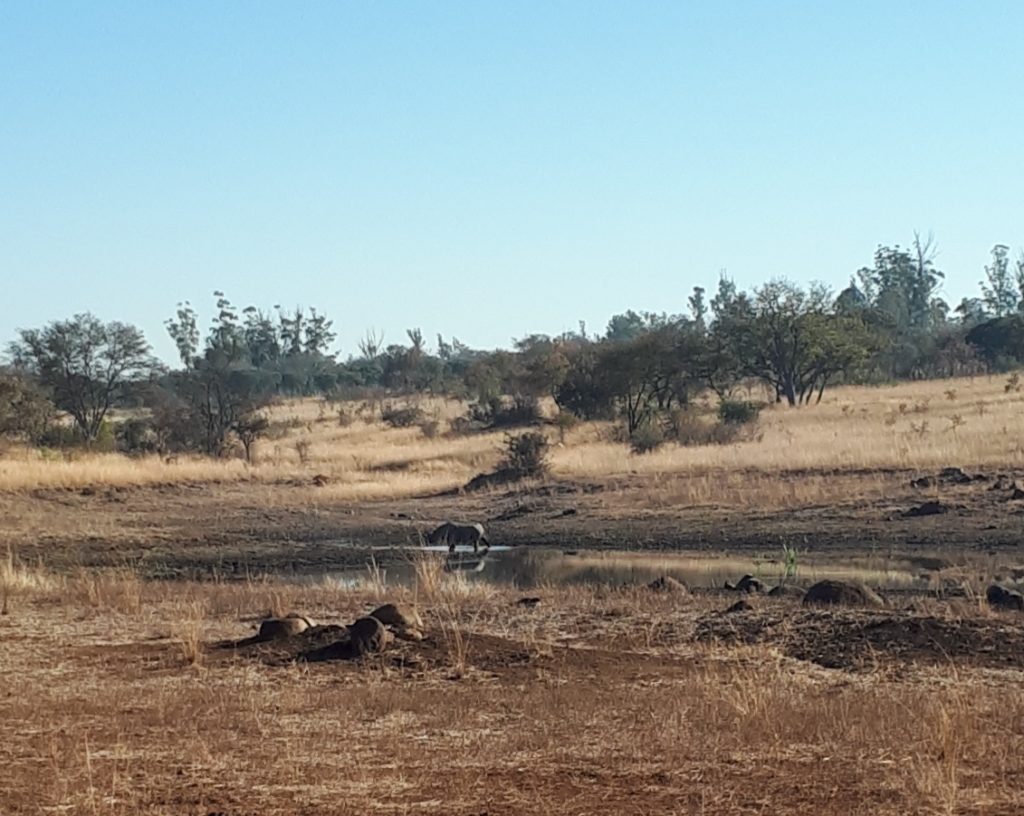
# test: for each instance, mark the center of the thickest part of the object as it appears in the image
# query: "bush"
(136, 436)
(401, 417)
(500, 413)
(430, 428)
(565, 421)
(25, 411)
(647, 437)
(738, 412)
(526, 454)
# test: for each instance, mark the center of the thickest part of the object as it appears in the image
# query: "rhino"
(455, 534)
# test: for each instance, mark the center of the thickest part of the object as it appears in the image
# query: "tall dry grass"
(622, 713)
(967, 422)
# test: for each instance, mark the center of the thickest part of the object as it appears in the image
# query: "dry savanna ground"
(126, 697)
(131, 589)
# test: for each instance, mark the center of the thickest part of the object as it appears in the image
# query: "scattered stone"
(667, 583)
(1003, 482)
(748, 583)
(368, 636)
(1002, 598)
(948, 476)
(786, 591)
(531, 602)
(397, 615)
(929, 508)
(320, 480)
(1017, 493)
(842, 593)
(569, 511)
(282, 628)
(739, 606)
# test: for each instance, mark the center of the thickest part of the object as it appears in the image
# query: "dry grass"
(91, 725)
(855, 431)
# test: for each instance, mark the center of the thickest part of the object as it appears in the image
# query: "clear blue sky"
(491, 169)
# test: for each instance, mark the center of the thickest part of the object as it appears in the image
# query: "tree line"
(645, 369)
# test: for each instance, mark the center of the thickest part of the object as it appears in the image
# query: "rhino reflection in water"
(456, 534)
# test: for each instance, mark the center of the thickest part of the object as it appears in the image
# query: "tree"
(699, 308)
(25, 412)
(793, 341)
(903, 285)
(184, 332)
(999, 289)
(85, 364)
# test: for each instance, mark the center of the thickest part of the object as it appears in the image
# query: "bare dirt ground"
(249, 528)
(120, 694)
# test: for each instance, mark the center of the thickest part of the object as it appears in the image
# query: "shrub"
(500, 413)
(401, 417)
(738, 412)
(565, 421)
(689, 428)
(526, 454)
(25, 411)
(648, 437)
(430, 428)
(136, 436)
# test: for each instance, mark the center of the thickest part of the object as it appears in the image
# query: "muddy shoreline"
(245, 529)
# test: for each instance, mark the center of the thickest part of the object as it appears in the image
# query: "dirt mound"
(865, 640)
(666, 583)
(368, 636)
(1002, 598)
(281, 628)
(842, 593)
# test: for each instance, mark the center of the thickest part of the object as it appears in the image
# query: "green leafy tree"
(999, 289)
(85, 364)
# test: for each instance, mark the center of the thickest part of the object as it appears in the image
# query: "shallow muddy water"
(531, 567)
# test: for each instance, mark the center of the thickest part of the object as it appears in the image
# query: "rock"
(569, 511)
(1002, 482)
(531, 602)
(739, 606)
(667, 583)
(1002, 598)
(283, 628)
(368, 636)
(946, 476)
(786, 591)
(929, 508)
(1017, 493)
(748, 583)
(397, 615)
(842, 593)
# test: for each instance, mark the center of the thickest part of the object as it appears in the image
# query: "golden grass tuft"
(855, 431)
